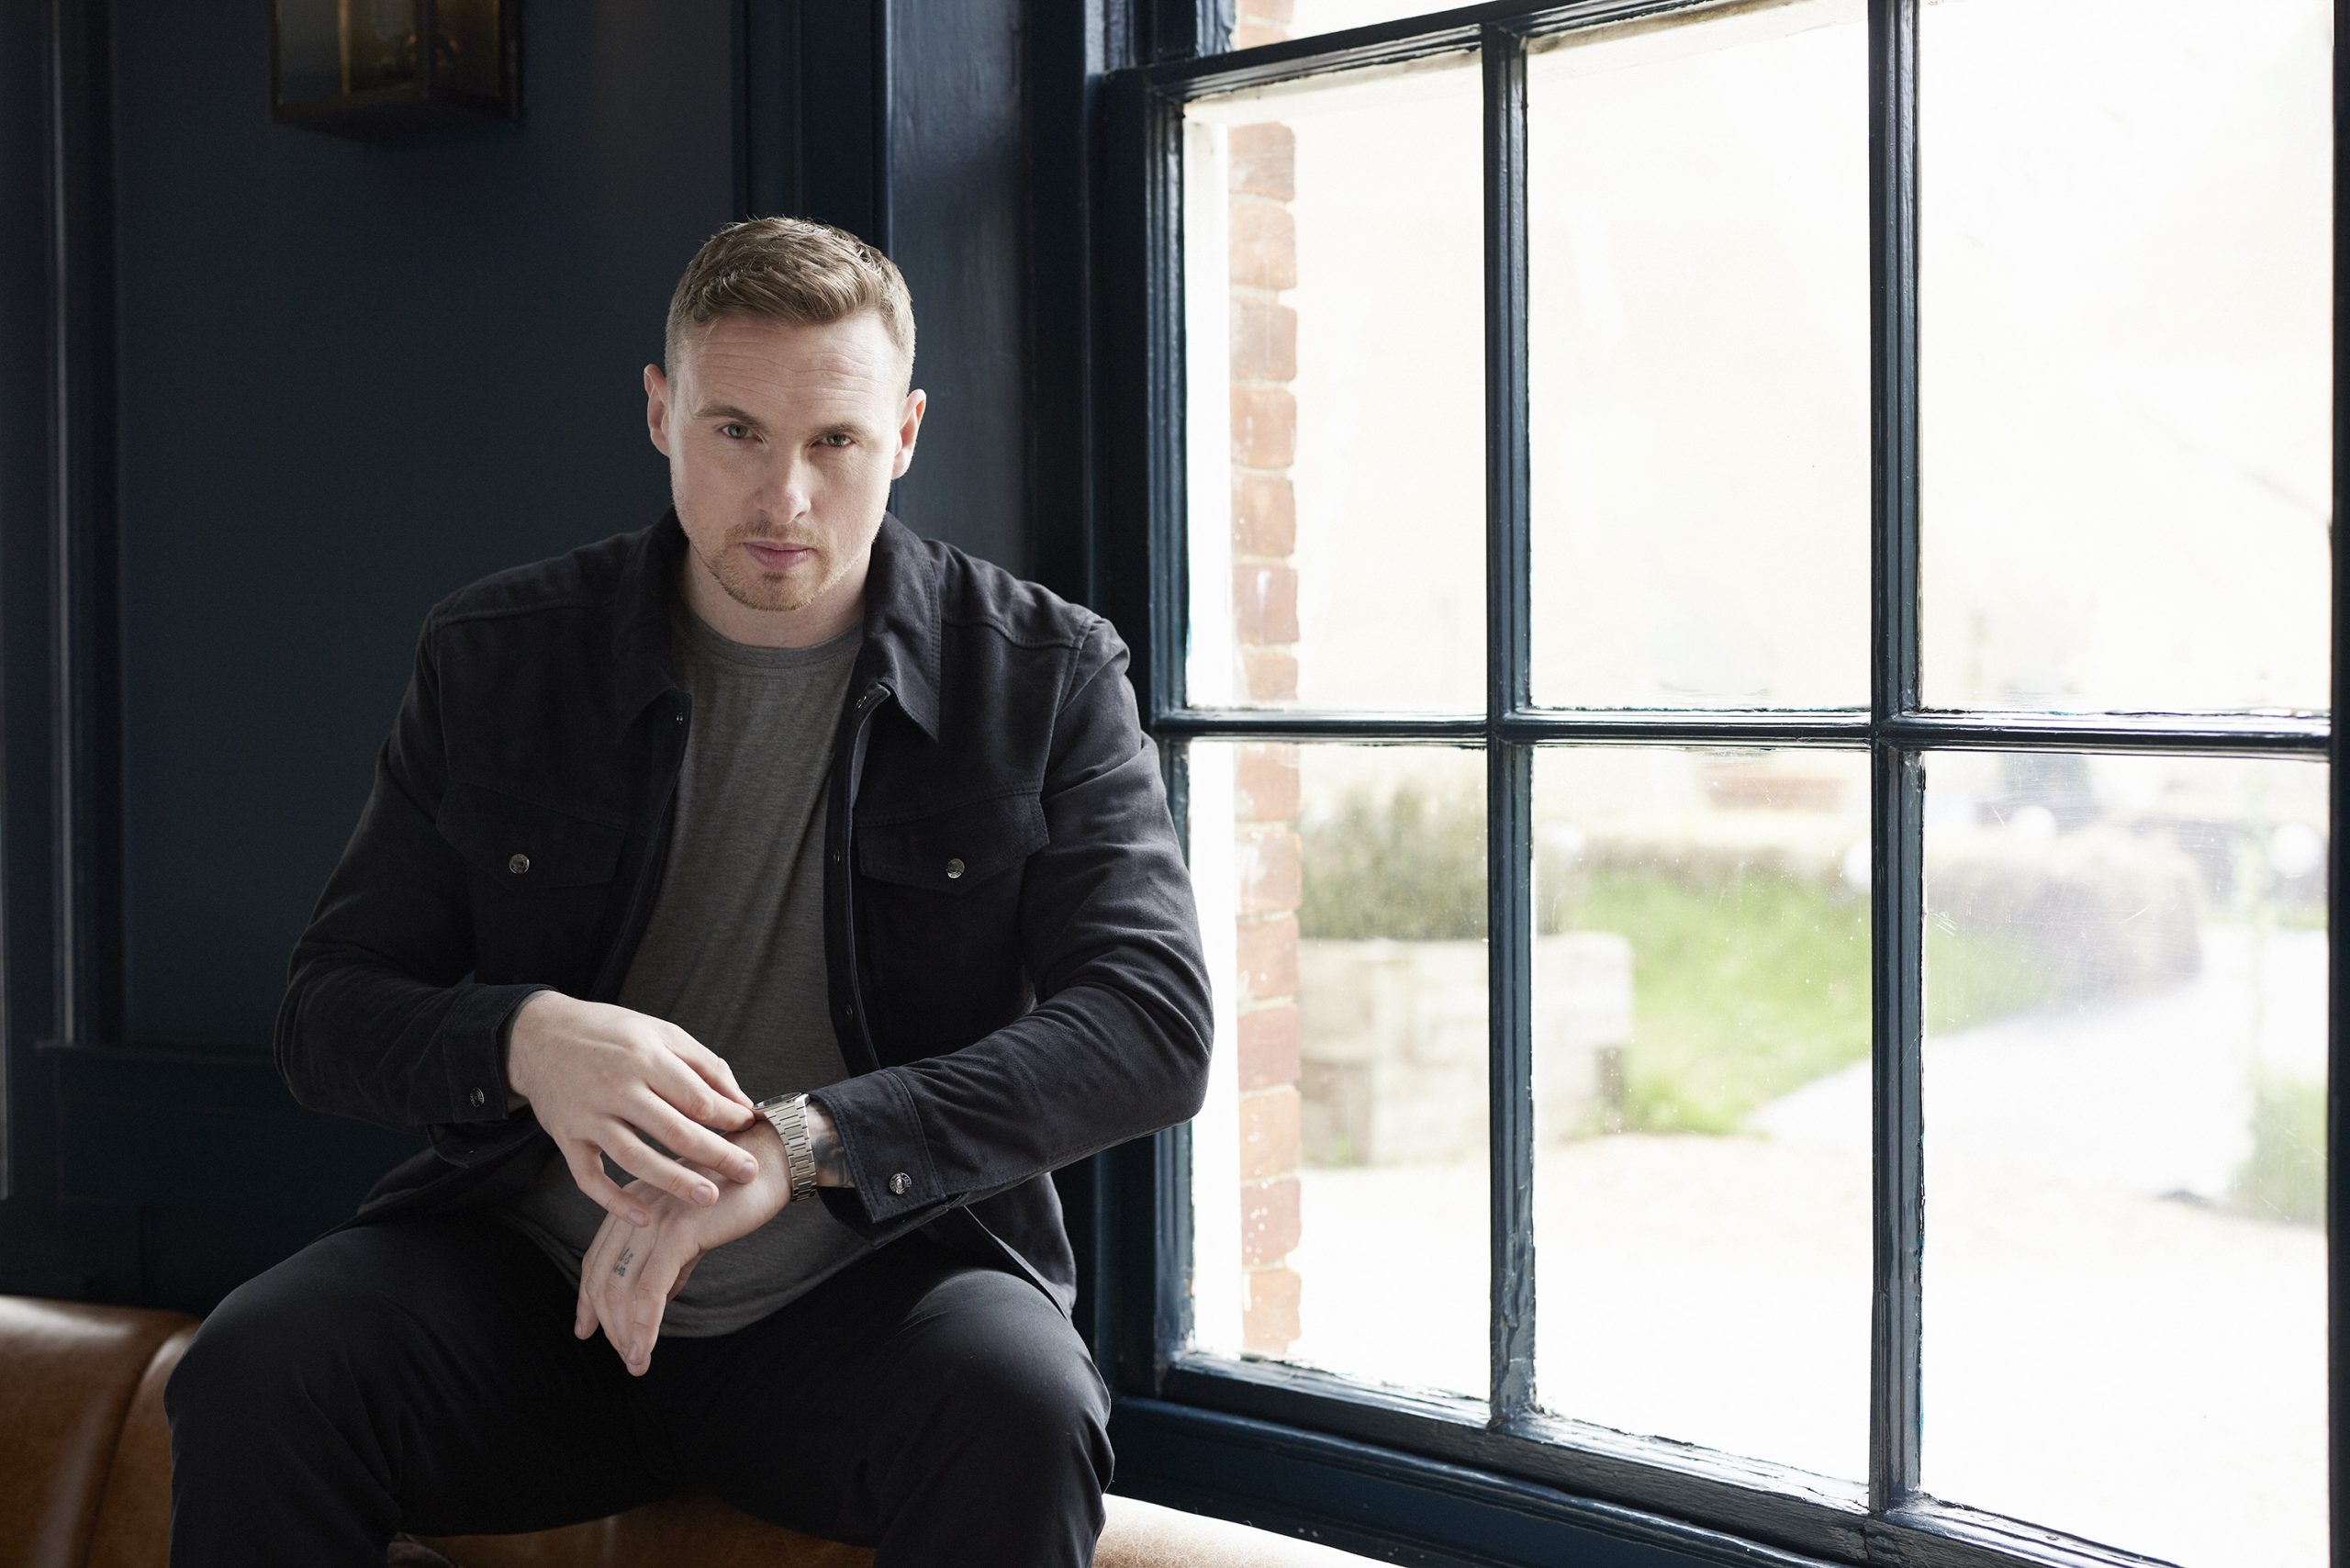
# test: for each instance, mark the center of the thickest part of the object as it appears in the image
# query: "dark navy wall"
(956, 153)
(353, 375)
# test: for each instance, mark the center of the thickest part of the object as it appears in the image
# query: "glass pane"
(2124, 309)
(1268, 21)
(2125, 1150)
(1701, 1072)
(1336, 321)
(1698, 276)
(1340, 1166)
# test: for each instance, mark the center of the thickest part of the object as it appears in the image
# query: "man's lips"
(777, 558)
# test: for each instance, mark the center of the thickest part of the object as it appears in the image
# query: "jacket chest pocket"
(955, 851)
(540, 881)
(938, 919)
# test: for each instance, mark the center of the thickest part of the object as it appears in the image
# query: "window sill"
(1427, 1475)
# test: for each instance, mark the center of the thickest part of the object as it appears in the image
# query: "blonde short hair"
(788, 269)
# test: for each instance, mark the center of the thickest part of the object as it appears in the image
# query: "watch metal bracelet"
(789, 1116)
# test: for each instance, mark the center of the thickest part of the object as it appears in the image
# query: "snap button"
(954, 867)
(519, 864)
(478, 1096)
(899, 1183)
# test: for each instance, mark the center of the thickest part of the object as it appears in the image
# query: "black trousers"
(420, 1375)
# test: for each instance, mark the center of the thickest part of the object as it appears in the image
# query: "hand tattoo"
(621, 1266)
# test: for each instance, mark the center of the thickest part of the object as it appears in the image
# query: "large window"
(1743, 592)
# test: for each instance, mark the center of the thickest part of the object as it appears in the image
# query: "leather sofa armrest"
(134, 1528)
(76, 1371)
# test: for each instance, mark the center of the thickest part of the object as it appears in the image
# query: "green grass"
(2285, 1176)
(2302, 914)
(1973, 976)
(1739, 993)
(1747, 991)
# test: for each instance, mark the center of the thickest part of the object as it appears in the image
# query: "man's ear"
(909, 426)
(656, 407)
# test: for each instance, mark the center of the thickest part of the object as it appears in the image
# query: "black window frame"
(1425, 1478)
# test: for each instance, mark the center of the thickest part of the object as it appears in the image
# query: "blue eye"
(838, 437)
(731, 426)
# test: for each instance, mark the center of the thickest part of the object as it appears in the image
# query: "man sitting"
(751, 909)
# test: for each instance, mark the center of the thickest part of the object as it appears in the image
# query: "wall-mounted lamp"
(362, 68)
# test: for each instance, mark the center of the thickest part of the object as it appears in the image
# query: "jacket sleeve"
(1117, 1043)
(379, 1021)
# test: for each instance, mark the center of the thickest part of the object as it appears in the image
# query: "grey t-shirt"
(734, 952)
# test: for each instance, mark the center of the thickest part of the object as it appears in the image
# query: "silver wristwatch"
(789, 1114)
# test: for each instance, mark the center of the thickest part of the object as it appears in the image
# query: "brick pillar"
(1261, 21)
(1264, 604)
(1265, 802)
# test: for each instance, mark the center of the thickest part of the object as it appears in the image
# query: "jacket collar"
(901, 634)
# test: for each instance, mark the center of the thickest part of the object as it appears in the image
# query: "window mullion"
(2338, 1060)
(1509, 765)
(1151, 1282)
(1898, 820)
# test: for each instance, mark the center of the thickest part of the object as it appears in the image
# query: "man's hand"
(601, 1078)
(630, 1273)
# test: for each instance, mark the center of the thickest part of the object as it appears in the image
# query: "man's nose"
(788, 487)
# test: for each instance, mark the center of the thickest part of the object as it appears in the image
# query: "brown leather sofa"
(86, 1464)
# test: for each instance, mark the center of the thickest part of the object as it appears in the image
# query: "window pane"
(2124, 309)
(2124, 1109)
(1339, 1166)
(1267, 21)
(1698, 276)
(1334, 305)
(1701, 1040)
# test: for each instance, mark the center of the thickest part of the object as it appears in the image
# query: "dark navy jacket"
(1012, 944)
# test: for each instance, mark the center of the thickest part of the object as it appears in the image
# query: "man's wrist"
(832, 1160)
(516, 1095)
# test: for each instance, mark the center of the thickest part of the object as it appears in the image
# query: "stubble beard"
(753, 589)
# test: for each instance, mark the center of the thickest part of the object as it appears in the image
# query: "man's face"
(782, 440)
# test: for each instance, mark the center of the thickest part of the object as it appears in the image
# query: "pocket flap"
(952, 849)
(525, 845)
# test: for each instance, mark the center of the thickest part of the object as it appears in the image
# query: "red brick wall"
(1264, 606)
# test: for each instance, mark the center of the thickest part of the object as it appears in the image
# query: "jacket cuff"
(897, 1189)
(480, 1120)
(473, 1048)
